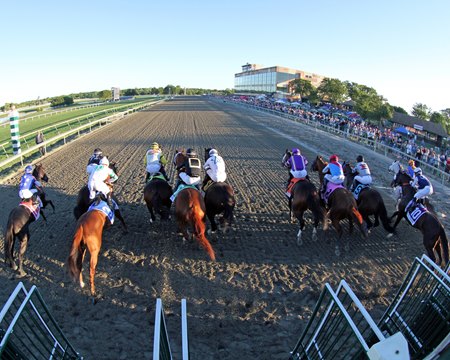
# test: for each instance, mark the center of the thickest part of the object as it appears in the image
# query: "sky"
(401, 48)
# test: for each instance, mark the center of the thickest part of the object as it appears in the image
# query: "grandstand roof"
(428, 126)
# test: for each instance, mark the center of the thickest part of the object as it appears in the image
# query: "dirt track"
(254, 300)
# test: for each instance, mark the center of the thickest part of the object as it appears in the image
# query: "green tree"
(421, 111)
(333, 90)
(302, 87)
(104, 95)
(399, 110)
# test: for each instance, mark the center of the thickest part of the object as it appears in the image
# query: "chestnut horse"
(370, 202)
(341, 205)
(88, 235)
(190, 212)
(219, 199)
(40, 175)
(157, 195)
(433, 233)
(18, 224)
(304, 196)
(83, 202)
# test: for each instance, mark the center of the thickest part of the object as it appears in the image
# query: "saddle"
(104, 208)
(291, 185)
(360, 187)
(208, 185)
(329, 190)
(156, 175)
(180, 188)
(415, 212)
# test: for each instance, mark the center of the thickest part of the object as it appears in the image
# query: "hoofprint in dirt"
(254, 300)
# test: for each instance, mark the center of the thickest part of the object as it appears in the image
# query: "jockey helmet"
(418, 171)
(154, 145)
(213, 152)
(97, 151)
(28, 169)
(104, 161)
(411, 162)
(26, 194)
(191, 152)
(334, 158)
(359, 158)
(296, 151)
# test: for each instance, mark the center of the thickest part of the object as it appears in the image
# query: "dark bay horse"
(341, 205)
(19, 221)
(219, 199)
(433, 233)
(190, 212)
(83, 202)
(370, 202)
(88, 235)
(40, 175)
(304, 196)
(157, 195)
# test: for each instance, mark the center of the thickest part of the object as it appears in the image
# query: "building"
(256, 78)
(115, 93)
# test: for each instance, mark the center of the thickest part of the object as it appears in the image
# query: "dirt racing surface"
(255, 299)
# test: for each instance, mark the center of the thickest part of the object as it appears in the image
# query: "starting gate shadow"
(414, 325)
(161, 342)
(28, 330)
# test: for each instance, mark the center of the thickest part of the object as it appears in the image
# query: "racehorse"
(370, 202)
(157, 193)
(18, 224)
(341, 205)
(190, 212)
(88, 235)
(429, 225)
(304, 196)
(219, 199)
(83, 201)
(40, 175)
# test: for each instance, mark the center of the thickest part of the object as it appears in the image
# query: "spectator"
(40, 139)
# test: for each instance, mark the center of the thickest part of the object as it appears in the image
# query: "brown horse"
(18, 224)
(433, 233)
(157, 195)
(370, 202)
(88, 235)
(83, 202)
(190, 212)
(219, 199)
(341, 205)
(40, 175)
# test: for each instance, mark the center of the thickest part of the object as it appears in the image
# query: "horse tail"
(313, 203)
(229, 207)
(357, 215)
(385, 220)
(75, 260)
(444, 246)
(200, 228)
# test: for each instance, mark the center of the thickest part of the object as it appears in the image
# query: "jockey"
(190, 170)
(296, 165)
(411, 167)
(154, 162)
(336, 175)
(423, 185)
(215, 168)
(97, 178)
(94, 160)
(363, 171)
(29, 183)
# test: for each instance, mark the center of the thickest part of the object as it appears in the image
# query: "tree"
(104, 95)
(399, 110)
(302, 87)
(333, 90)
(421, 111)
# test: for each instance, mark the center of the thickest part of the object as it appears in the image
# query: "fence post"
(14, 127)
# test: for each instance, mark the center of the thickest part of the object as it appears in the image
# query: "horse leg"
(316, 225)
(118, 214)
(399, 217)
(24, 237)
(93, 266)
(302, 226)
(338, 228)
(80, 266)
(211, 217)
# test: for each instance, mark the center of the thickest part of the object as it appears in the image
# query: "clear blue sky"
(399, 47)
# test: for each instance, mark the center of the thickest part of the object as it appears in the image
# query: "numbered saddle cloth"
(105, 209)
(358, 190)
(330, 188)
(415, 213)
(290, 186)
(34, 208)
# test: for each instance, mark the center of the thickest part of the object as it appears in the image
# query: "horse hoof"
(82, 284)
(314, 237)
(337, 252)
(151, 221)
(388, 236)
(299, 241)
(21, 274)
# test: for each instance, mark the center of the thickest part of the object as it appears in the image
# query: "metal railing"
(28, 330)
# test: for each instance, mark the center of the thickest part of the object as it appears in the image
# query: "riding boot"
(162, 170)
(147, 176)
(110, 202)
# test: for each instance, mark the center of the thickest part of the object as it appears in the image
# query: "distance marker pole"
(14, 126)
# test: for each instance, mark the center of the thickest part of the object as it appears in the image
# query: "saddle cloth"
(181, 187)
(330, 188)
(34, 208)
(290, 186)
(105, 209)
(415, 213)
(358, 190)
(157, 175)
